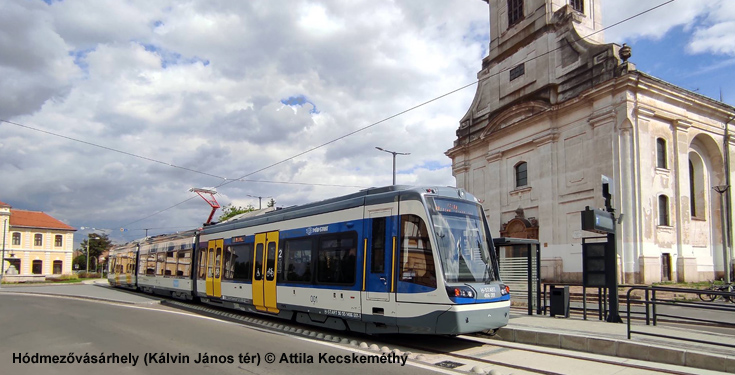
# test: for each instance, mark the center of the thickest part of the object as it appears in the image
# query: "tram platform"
(611, 339)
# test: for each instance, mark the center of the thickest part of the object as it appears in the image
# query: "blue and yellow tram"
(386, 260)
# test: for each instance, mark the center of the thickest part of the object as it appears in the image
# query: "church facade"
(556, 111)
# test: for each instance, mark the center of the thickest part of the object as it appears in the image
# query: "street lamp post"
(2, 261)
(394, 160)
(721, 189)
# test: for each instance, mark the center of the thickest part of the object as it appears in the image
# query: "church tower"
(556, 111)
(542, 52)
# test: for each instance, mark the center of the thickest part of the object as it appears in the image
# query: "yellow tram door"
(214, 268)
(265, 269)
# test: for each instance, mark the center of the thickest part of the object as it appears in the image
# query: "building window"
(521, 174)
(692, 191)
(663, 210)
(577, 5)
(16, 239)
(661, 153)
(37, 267)
(515, 12)
(58, 240)
(57, 267)
(38, 240)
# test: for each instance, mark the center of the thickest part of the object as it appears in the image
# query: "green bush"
(89, 275)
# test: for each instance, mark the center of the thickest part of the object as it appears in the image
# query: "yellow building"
(35, 245)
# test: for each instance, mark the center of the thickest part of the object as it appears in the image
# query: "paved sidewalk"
(598, 337)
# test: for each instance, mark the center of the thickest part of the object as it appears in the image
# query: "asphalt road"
(49, 329)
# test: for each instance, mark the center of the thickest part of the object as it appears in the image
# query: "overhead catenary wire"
(227, 181)
(419, 105)
(169, 164)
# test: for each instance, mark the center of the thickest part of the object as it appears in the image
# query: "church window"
(521, 174)
(515, 12)
(577, 5)
(661, 153)
(692, 191)
(663, 210)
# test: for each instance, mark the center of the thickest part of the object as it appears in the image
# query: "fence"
(652, 313)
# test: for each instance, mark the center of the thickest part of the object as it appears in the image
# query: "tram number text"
(313, 299)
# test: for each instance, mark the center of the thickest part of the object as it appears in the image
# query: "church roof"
(35, 219)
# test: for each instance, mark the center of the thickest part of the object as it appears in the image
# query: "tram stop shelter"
(520, 268)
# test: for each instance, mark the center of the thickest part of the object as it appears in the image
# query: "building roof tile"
(34, 219)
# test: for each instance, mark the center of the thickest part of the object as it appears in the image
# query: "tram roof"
(378, 195)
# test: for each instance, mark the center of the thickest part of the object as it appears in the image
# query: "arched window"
(16, 239)
(692, 191)
(661, 158)
(58, 240)
(515, 12)
(58, 267)
(38, 239)
(663, 210)
(521, 174)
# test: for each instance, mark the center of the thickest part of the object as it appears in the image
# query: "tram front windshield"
(464, 244)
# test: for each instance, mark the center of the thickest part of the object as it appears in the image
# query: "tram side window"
(258, 272)
(202, 263)
(141, 265)
(241, 263)
(184, 264)
(161, 264)
(297, 259)
(377, 258)
(170, 262)
(270, 264)
(337, 259)
(417, 260)
(228, 268)
(150, 268)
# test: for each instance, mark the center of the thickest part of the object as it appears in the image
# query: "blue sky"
(222, 90)
(687, 42)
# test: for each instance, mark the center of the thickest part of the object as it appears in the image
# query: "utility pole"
(260, 200)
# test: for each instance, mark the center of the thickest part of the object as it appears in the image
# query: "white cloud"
(711, 24)
(199, 85)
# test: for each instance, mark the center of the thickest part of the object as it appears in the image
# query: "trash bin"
(559, 301)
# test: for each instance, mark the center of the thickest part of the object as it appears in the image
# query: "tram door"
(379, 302)
(214, 268)
(265, 269)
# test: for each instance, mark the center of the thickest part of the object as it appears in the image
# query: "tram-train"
(395, 259)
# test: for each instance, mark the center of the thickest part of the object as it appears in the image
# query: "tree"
(272, 203)
(229, 211)
(98, 244)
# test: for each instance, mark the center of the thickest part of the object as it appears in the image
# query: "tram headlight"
(504, 289)
(461, 292)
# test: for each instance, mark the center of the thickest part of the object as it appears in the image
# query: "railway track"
(477, 353)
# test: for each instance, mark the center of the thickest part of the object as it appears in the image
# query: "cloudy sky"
(119, 107)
